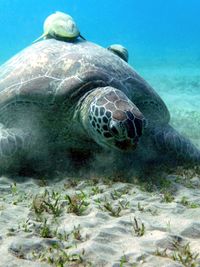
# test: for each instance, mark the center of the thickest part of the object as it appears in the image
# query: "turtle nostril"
(114, 128)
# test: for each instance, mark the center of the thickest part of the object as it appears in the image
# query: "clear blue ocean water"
(155, 32)
(163, 39)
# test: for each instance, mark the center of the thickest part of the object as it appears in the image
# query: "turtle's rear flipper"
(175, 146)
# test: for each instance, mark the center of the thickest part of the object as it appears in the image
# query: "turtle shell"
(53, 72)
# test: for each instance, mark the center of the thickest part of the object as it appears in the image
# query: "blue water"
(162, 36)
(156, 32)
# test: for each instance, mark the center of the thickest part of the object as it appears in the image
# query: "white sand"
(104, 232)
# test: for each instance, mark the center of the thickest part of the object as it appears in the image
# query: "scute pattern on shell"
(71, 69)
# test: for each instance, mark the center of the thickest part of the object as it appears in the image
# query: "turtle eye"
(114, 130)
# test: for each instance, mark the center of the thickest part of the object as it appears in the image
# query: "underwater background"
(162, 37)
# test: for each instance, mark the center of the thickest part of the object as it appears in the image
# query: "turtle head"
(113, 120)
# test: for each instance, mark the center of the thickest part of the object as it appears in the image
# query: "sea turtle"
(119, 50)
(60, 26)
(64, 103)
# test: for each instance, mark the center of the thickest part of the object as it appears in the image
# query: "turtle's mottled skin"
(62, 102)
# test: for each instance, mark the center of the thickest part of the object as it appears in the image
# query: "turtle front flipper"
(180, 148)
(13, 144)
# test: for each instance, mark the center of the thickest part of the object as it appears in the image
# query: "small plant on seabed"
(185, 202)
(58, 256)
(38, 204)
(70, 183)
(184, 255)
(45, 230)
(181, 254)
(116, 194)
(96, 190)
(25, 226)
(17, 195)
(167, 197)
(114, 211)
(168, 226)
(62, 236)
(139, 228)
(13, 188)
(47, 202)
(77, 203)
(161, 253)
(123, 260)
(124, 204)
(77, 233)
(140, 207)
(98, 201)
(53, 204)
(42, 182)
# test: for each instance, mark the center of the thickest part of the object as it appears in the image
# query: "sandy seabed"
(101, 222)
(110, 222)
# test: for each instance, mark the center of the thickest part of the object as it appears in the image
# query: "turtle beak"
(126, 145)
